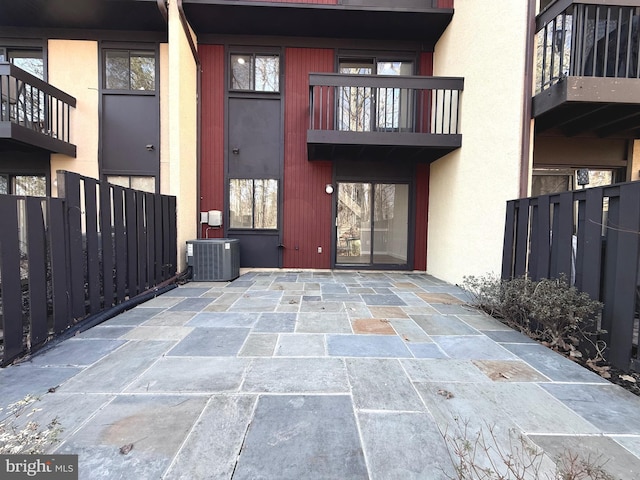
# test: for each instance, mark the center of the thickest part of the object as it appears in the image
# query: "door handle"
(150, 147)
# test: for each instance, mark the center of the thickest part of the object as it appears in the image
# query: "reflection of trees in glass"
(354, 212)
(28, 102)
(130, 70)
(393, 106)
(260, 73)
(33, 185)
(253, 203)
(4, 184)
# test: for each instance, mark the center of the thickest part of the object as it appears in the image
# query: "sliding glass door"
(372, 224)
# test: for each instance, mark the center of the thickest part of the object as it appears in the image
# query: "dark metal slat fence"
(591, 236)
(65, 259)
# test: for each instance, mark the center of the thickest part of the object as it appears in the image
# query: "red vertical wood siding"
(212, 118)
(445, 3)
(422, 189)
(422, 217)
(307, 208)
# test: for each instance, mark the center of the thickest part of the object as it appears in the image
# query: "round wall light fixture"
(328, 188)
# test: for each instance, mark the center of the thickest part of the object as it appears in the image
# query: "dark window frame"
(27, 44)
(128, 47)
(253, 52)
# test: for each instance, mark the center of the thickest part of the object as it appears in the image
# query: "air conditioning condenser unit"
(214, 259)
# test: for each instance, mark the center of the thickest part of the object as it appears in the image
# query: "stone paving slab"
(288, 372)
(211, 342)
(115, 371)
(156, 426)
(213, 446)
(601, 451)
(610, 408)
(403, 445)
(295, 437)
(553, 365)
(296, 375)
(190, 374)
(381, 385)
(77, 352)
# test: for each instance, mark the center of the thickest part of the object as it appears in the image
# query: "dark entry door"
(130, 135)
(130, 112)
(254, 181)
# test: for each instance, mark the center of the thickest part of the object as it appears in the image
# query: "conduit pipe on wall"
(196, 58)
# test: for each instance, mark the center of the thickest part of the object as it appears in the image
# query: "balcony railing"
(391, 110)
(34, 112)
(375, 115)
(587, 39)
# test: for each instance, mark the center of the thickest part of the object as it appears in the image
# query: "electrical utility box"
(214, 259)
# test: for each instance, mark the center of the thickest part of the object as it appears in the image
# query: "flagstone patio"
(296, 375)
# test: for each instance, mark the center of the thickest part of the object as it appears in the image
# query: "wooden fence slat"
(106, 231)
(36, 256)
(132, 243)
(120, 233)
(592, 254)
(59, 264)
(522, 239)
(69, 189)
(626, 270)
(150, 217)
(611, 253)
(141, 246)
(166, 234)
(11, 283)
(509, 234)
(92, 248)
(579, 257)
(173, 237)
(564, 235)
(158, 238)
(543, 238)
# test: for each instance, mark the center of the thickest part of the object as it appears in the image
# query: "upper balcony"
(414, 20)
(588, 80)
(33, 113)
(377, 116)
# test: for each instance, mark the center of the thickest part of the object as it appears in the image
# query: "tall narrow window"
(253, 203)
(129, 70)
(255, 72)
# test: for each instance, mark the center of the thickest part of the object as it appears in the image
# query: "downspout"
(527, 100)
(162, 6)
(196, 58)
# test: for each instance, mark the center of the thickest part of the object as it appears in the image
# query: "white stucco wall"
(182, 110)
(78, 78)
(485, 43)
